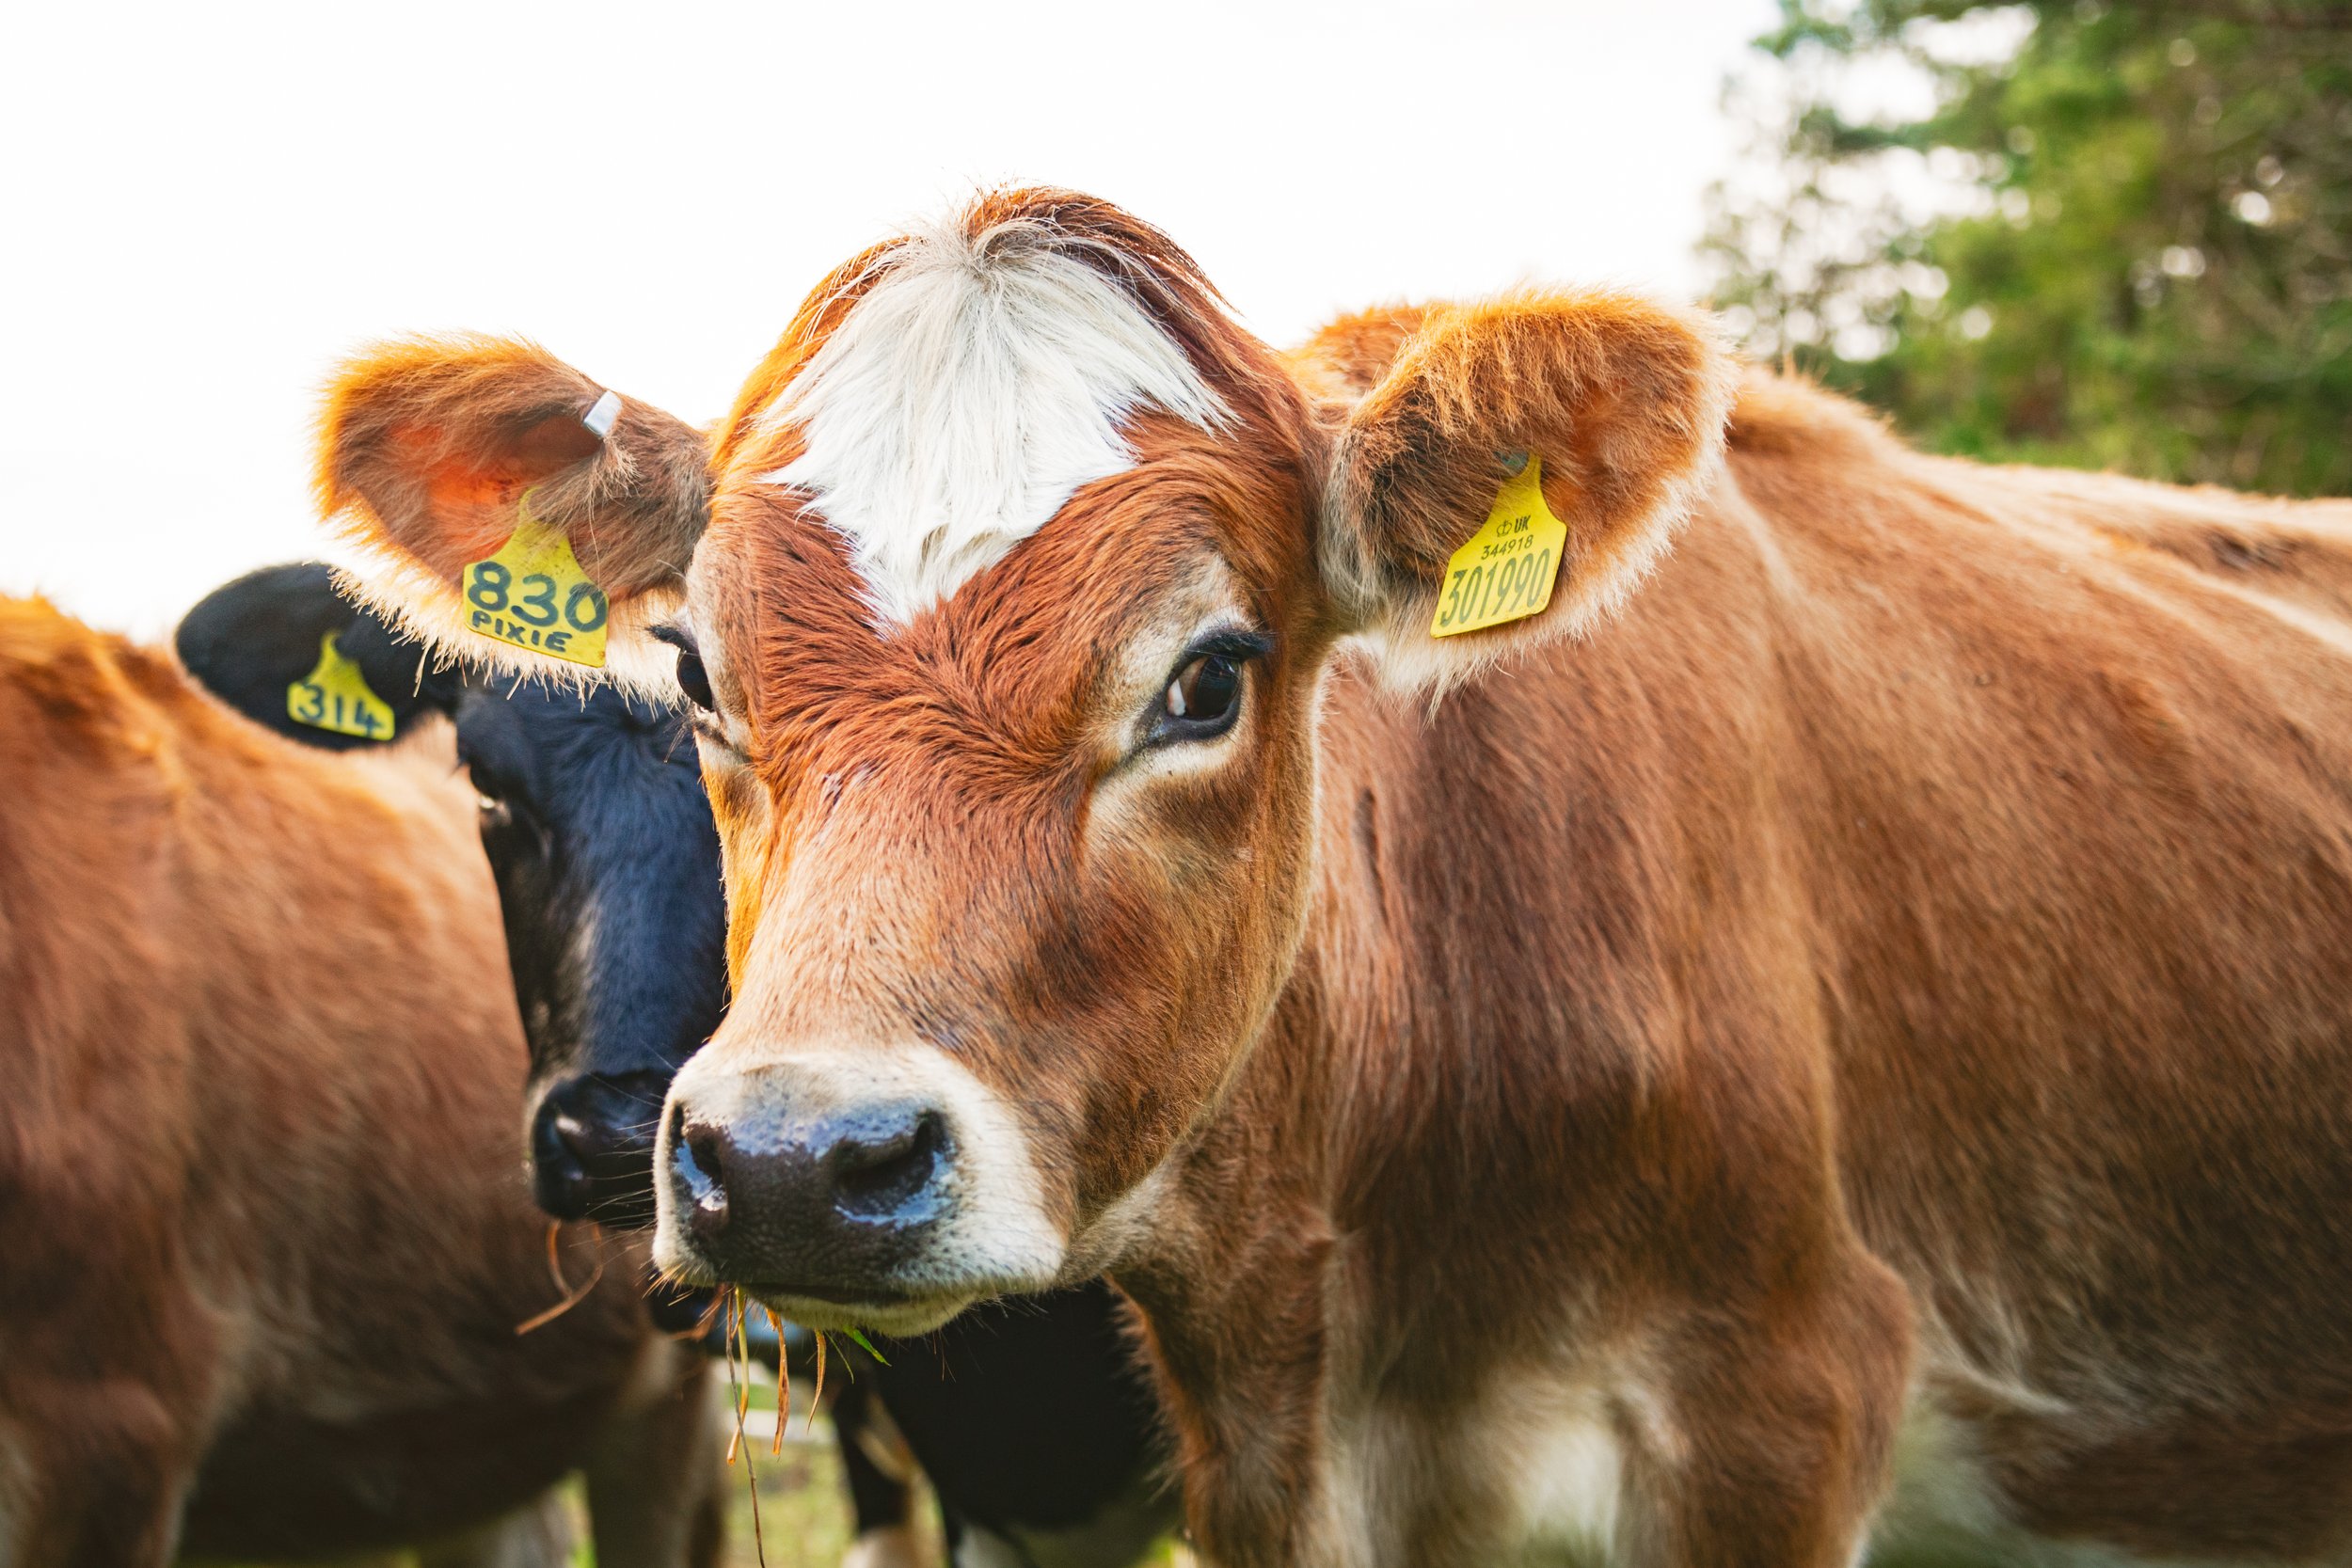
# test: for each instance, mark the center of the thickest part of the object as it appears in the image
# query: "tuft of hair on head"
(981, 371)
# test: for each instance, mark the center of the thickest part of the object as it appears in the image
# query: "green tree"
(2120, 236)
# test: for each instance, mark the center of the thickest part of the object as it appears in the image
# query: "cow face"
(596, 825)
(598, 832)
(1017, 574)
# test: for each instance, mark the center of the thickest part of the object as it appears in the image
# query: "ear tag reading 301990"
(335, 696)
(532, 594)
(1507, 569)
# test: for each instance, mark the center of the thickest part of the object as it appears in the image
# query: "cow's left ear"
(1617, 403)
(285, 648)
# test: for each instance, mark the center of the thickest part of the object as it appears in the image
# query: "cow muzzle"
(882, 1189)
(592, 1140)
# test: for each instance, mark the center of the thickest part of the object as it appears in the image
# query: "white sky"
(205, 206)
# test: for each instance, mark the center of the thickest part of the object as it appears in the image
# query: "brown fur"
(265, 1234)
(1897, 966)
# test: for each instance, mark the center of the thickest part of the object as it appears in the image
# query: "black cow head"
(594, 818)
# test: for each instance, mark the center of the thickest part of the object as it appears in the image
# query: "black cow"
(1040, 1436)
(607, 865)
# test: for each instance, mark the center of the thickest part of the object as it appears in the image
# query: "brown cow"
(1896, 975)
(267, 1241)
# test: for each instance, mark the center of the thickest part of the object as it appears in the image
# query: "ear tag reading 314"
(1507, 569)
(335, 696)
(533, 595)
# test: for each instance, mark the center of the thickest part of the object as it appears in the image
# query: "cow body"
(1862, 955)
(267, 1250)
(1936, 877)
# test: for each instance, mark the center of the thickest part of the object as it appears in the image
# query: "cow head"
(1010, 599)
(601, 843)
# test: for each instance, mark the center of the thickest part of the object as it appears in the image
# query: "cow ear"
(427, 450)
(262, 642)
(1612, 407)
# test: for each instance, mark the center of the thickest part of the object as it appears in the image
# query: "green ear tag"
(1507, 569)
(335, 696)
(533, 595)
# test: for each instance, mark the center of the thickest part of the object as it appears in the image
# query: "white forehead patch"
(965, 396)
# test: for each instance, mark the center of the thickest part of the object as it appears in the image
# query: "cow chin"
(899, 1320)
(879, 1187)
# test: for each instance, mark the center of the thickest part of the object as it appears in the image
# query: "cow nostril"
(552, 1147)
(575, 1136)
(879, 1177)
(703, 1149)
(705, 1172)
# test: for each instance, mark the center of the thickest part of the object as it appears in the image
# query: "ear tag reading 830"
(533, 595)
(335, 696)
(1507, 569)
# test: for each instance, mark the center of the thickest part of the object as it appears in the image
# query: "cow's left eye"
(497, 809)
(1203, 697)
(499, 802)
(1206, 692)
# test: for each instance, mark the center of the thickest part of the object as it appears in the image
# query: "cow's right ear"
(286, 649)
(427, 447)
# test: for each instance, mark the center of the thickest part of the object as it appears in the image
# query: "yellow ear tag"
(335, 696)
(533, 595)
(1507, 569)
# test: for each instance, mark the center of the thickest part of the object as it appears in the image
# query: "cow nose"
(592, 1148)
(826, 1203)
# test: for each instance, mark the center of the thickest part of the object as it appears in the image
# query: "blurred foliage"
(2120, 236)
